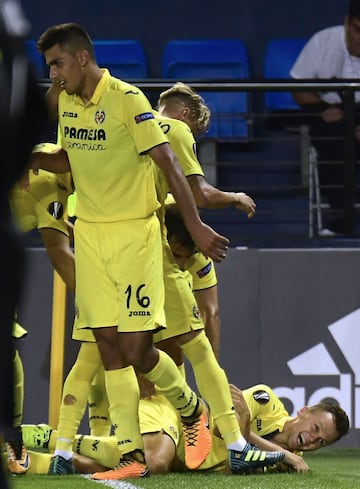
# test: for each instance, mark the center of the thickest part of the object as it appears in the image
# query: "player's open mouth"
(300, 439)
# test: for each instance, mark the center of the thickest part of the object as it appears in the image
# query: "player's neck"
(90, 83)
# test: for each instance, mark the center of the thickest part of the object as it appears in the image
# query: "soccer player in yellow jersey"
(258, 407)
(185, 326)
(183, 103)
(43, 207)
(272, 427)
(110, 140)
(199, 268)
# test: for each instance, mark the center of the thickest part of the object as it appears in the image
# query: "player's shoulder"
(174, 125)
(122, 88)
(261, 393)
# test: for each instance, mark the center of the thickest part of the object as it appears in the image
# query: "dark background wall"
(154, 22)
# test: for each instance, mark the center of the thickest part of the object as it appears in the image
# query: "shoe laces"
(128, 462)
(191, 432)
(124, 462)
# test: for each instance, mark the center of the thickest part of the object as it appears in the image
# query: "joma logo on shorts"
(139, 313)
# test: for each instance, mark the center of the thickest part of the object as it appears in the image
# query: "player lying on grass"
(271, 426)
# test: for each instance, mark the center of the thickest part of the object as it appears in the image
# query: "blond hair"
(182, 94)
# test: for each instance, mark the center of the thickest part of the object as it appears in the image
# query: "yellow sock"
(182, 370)
(18, 389)
(102, 449)
(172, 384)
(123, 393)
(39, 463)
(75, 394)
(99, 417)
(213, 384)
(52, 441)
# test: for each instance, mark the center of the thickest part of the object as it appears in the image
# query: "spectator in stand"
(332, 53)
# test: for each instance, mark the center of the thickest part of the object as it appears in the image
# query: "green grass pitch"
(331, 468)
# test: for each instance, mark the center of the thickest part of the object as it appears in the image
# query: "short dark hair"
(354, 9)
(340, 417)
(176, 228)
(69, 35)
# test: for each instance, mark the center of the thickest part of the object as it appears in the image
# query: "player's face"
(313, 430)
(182, 254)
(352, 34)
(65, 69)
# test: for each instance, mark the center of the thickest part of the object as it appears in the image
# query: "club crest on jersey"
(144, 117)
(261, 396)
(56, 209)
(99, 116)
(196, 312)
(205, 270)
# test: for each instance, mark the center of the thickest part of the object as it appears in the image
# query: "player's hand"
(147, 389)
(242, 410)
(210, 243)
(245, 203)
(24, 181)
(295, 462)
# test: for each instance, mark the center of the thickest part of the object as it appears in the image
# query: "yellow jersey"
(107, 141)
(44, 205)
(267, 412)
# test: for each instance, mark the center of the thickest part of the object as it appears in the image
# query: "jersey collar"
(100, 87)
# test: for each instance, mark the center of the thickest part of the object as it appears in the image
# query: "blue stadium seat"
(215, 59)
(280, 55)
(36, 59)
(125, 58)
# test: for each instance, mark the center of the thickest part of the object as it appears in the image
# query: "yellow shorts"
(119, 278)
(82, 334)
(181, 310)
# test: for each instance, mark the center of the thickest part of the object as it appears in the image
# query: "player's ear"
(185, 113)
(83, 57)
(302, 411)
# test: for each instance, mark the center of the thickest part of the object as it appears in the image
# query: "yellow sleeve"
(183, 144)
(203, 272)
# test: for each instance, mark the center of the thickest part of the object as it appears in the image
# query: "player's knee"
(142, 359)
(157, 464)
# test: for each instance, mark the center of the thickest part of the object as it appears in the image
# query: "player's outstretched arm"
(61, 255)
(55, 162)
(209, 197)
(207, 240)
(294, 462)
